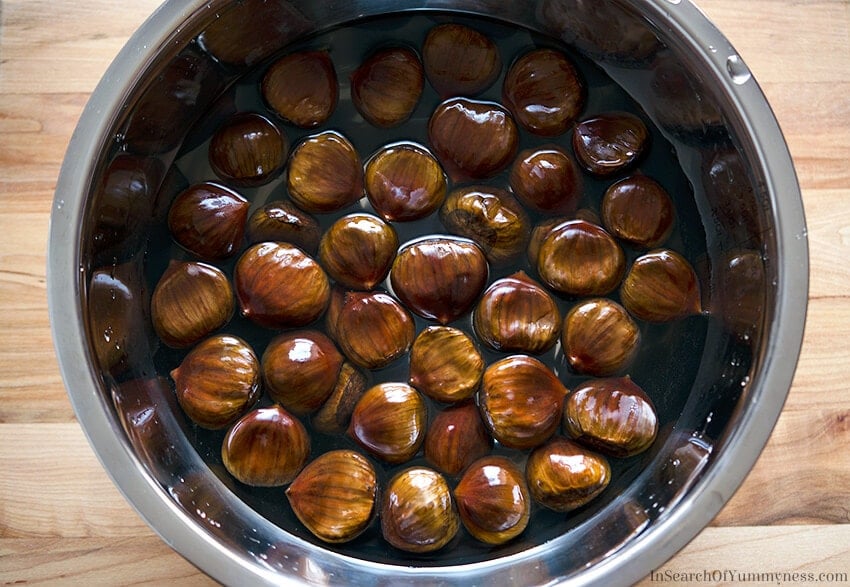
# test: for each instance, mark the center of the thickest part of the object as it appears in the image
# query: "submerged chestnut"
(544, 92)
(373, 329)
(300, 369)
(358, 250)
(280, 286)
(456, 437)
(473, 139)
(599, 337)
(639, 210)
(493, 500)
(324, 173)
(335, 414)
(460, 61)
(190, 301)
(546, 179)
(266, 447)
(302, 88)
(580, 258)
(612, 415)
(491, 217)
(661, 286)
(281, 220)
(521, 401)
(610, 143)
(218, 381)
(563, 475)
(404, 182)
(389, 422)
(438, 277)
(417, 511)
(445, 364)
(208, 219)
(516, 314)
(386, 88)
(248, 150)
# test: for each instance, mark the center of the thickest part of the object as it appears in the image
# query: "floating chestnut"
(544, 92)
(661, 286)
(456, 438)
(373, 329)
(335, 414)
(279, 286)
(404, 182)
(599, 337)
(546, 179)
(610, 143)
(248, 149)
(208, 219)
(491, 217)
(445, 364)
(281, 220)
(386, 88)
(563, 475)
(325, 173)
(438, 277)
(389, 422)
(302, 88)
(638, 210)
(460, 61)
(472, 139)
(358, 250)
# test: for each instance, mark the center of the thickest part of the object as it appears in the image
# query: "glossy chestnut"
(389, 422)
(599, 337)
(460, 61)
(637, 209)
(546, 180)
(324, 173)
(386, 88)
(208, 219)
(456, 437)
(562, 475)
(281, 220)
(248, 149)
(404, 182)
(357, 250)
(445, 364)
(661, 286)
(373, 329)
(302, 88)
(610, 143)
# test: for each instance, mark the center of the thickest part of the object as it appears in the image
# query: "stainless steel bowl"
(754, 272)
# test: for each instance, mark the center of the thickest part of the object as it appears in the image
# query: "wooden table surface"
(63, 521)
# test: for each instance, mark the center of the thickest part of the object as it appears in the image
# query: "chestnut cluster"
(342, 296)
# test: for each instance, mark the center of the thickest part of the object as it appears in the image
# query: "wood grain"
(63, 521)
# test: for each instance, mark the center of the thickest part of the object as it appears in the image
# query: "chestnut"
(334, 415)
(563, 475)
(445, 364)
(373, 329)
(248, 149)
(389, 422)
(302, 88)
(456, 437)
(208, 220)
(283, 221)
(637, 209)
(324, 173)
(661, 286)
(599, 337)
(460, 61)
(404, 182)
(609, 143)
(544, 91)
(386, 88)
(546, 180)
(358, 250)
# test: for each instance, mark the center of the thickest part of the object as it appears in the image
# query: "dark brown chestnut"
(208, 219)
(456, 437)
(472, 139)
(521, 401)
(373, 329)
(404, 182)
(283, 221)
(279, 286)
(300, 370)
(386, 88)
(599, 337)
(439, 277)
(544, 91)
(389, 422)
(491, 217)
(460, 61)
(638, 210)
(302, 88)
(661, 286)
(248, 150)
(609, 143)
(325, 173)
(335, 414)
(563, 475)
(580, 258)
(546, 179)
(516, 314)
(358, 250)
(445, 364)
(612, 415)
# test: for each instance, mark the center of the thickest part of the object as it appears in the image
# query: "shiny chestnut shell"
(266, 447)
(279, 286)
(248, 149)
(300, 369)
(373, 329)
(460, 61)
(283, 221)
(218, 381)
(302, 88)
(325, 173)
(438, 277)
(613, 415)
(473, 139)
(599, 337)
(581, 258)
(418, 513)
(637, 209)
(546, 180)
(493, 500)
(491, 217)
(521, 401)
(208, 219)
(661, 286)
(516, 314)
(389, 422)
(357, 250)
(335, 414)
(386, 88)
(610, 142)
(562, 475)
(404, 182)
(445, 364)
(456, 437)
(544, 91)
